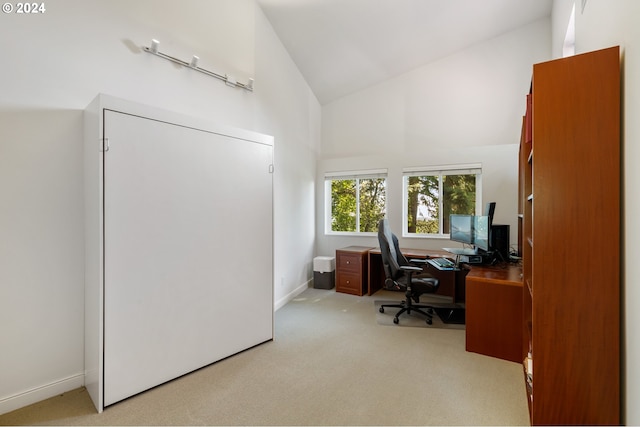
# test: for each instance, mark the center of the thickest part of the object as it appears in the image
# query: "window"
(432, 194)
(356, 201)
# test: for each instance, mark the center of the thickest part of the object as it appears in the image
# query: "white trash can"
(324, 272)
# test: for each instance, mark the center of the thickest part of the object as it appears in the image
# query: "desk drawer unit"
(351, 270)
(494, 313)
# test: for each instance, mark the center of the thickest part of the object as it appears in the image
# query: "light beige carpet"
(330, 363)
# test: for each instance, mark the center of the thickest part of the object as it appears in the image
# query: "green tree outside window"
(357, 205)
(429, 207)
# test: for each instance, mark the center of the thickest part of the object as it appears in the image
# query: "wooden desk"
(494, 312)
(451, 282)
(492, 297)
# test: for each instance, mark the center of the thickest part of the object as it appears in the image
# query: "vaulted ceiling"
(342, 46)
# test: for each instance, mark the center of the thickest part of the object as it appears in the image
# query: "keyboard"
(442, 263)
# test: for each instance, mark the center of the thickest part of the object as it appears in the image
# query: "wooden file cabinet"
(352, 269)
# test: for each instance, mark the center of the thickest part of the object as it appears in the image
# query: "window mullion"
(440, 203)
(357, 205)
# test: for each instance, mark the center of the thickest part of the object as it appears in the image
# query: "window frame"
(349, 175)
(461, 169)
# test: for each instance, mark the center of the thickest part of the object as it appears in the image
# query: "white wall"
(41, 254)
(560, 16)
(500, 172)
(466, 108)
(602, 24)
(60, 61)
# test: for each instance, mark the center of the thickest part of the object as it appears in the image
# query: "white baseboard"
(291, 295)
(20, 400)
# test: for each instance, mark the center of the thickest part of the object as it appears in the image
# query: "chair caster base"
(407, 307)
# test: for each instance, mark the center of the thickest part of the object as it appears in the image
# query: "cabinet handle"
(348, 262)
(105, 145)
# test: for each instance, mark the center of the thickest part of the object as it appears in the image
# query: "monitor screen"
(481, 232)
(461, 228)
(489, 210)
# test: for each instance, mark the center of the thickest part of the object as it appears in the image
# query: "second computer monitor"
(481, 229)
(470, 229)
(461, 228)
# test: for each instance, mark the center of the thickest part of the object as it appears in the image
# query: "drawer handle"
(348, 282)
(348, 262)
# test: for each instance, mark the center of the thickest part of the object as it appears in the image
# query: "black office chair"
(402, 275)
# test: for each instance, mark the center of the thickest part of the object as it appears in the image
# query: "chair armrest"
(418, 261)
(410, 268)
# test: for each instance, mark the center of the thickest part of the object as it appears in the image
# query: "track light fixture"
(193, 64)
(230, 80)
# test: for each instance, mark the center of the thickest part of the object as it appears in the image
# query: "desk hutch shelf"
(569, 192)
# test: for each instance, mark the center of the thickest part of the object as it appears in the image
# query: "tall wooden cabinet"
(570, 222)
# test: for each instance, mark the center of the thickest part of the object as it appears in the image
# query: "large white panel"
(188, 250)
(93, 253)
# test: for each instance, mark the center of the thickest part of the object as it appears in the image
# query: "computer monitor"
(489, 210)
(481, 232)
(461, 228)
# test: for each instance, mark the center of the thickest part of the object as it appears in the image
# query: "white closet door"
(188, 250)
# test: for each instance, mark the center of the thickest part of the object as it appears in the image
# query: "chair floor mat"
(453, 317)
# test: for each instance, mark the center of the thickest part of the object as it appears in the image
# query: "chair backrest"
(392, 258)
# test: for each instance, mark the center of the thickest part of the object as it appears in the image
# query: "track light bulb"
(154, 45)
